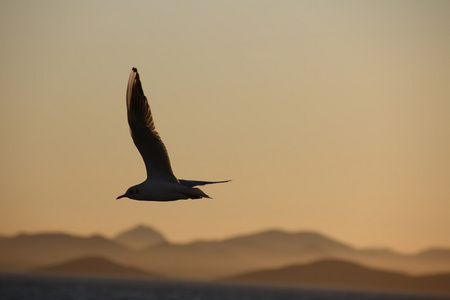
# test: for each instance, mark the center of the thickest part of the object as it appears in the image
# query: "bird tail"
(192, 183)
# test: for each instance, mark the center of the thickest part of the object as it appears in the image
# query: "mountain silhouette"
(435, 254)
(208, 259)
(26, 251)
(277, 240)
(140, 237)
(348, 275)
(271, 249)
(94, 265)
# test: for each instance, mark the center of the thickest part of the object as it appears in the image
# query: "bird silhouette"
(161, 184)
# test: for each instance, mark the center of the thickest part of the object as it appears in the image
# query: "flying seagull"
(161, 184)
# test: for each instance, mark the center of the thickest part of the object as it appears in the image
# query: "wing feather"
(144, 133)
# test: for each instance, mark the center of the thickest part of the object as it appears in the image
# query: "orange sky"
(330, 116)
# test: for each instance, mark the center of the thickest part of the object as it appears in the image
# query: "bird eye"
(137, 191)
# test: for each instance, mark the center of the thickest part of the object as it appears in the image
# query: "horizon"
(331, 116)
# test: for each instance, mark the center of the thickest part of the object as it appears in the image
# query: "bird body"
(161, 184)
(160, 190)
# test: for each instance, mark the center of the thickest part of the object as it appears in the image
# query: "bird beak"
(121, 196)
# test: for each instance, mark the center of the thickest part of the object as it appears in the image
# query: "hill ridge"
(211, 259)
(93, 265)
(345, 274)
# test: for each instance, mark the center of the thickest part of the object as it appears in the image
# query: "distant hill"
(434, 254)
(93, 265)
(271, 249)
(208, 259)
(278, 240)
(140, 237)
(342, 274)
(26, 251)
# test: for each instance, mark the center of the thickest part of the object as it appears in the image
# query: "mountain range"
(96, 266)
(334, 274)
(147, 249)
(346, 275)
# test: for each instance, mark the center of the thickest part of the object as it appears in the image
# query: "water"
(31, 287)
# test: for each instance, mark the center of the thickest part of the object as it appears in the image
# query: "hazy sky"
(331, 116)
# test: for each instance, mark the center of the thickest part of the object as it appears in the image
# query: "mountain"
(93, 265)
(208, 259)
(434, 254)
(348, 275)
(271, 249)
(26, 251)
(140, 237)
(277, 240)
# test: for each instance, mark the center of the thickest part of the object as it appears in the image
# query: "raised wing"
(144, 134)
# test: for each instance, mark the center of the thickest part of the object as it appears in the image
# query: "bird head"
(131, 193)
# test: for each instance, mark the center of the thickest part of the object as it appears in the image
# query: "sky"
(331, 116)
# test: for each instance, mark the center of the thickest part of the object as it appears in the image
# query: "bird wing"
(192, 183)
(144, 134)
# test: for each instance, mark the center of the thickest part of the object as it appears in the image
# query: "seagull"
(161, 184)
